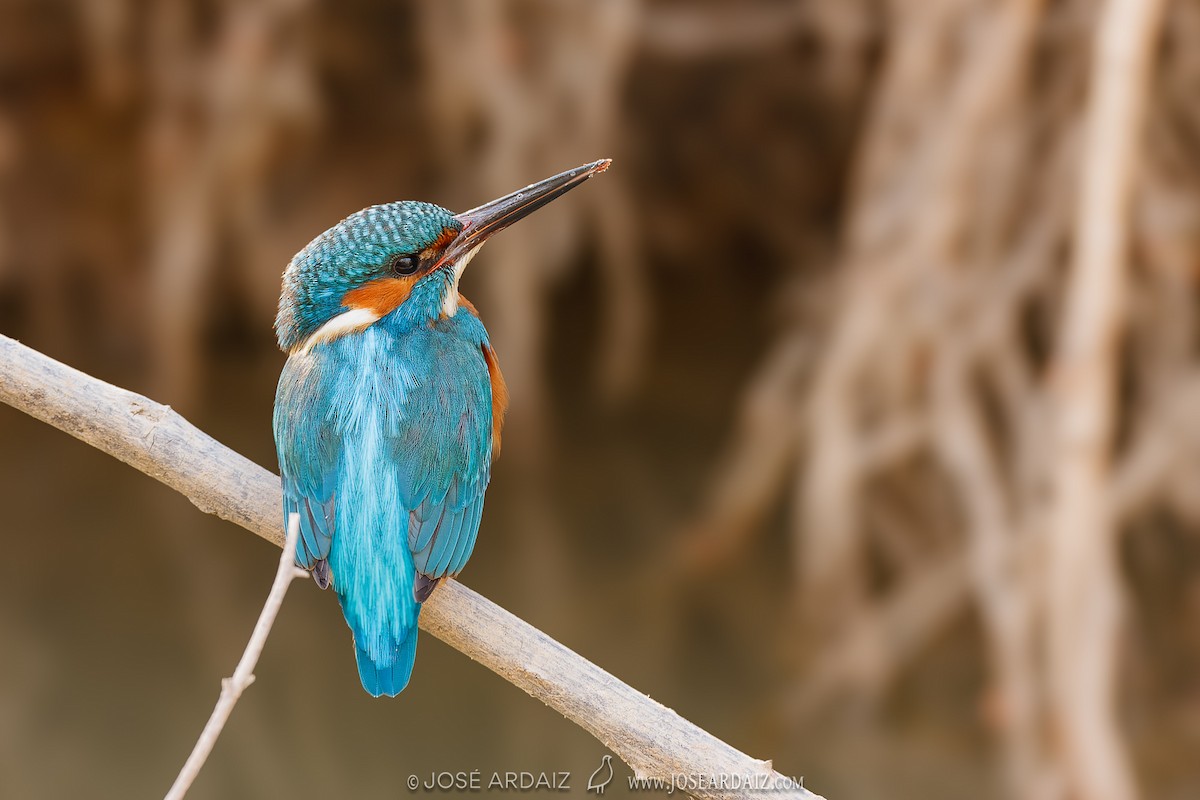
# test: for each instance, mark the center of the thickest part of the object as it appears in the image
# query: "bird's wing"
(447, 458)
(440, 437)
(315, 507)
(441, 535)
(309, 448)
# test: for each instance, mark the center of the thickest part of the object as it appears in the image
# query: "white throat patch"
(356, 319)
(450, 302)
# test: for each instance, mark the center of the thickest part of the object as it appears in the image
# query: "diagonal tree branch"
(652, 739)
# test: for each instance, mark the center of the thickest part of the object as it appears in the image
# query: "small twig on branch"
(243, 675)
(652, 739)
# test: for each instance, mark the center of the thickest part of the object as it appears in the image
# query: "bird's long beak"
(480, 224)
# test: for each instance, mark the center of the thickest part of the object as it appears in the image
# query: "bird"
(598, 781)
(389, 410)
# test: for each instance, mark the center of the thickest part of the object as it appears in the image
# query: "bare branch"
(1082, 588)
(652, 739)
(243, 675)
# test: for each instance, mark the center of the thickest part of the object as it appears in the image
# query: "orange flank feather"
(383, 296)
(462, 301)
(499, 387)
(499, 396)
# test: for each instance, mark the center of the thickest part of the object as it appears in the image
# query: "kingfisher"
(389, 410)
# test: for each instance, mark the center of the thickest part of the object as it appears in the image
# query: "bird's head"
(406, 256)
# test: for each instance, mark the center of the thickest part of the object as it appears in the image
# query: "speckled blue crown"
(348, 255)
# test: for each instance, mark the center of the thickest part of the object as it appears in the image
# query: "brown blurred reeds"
(973, 418)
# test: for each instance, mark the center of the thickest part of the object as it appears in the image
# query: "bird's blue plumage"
(385, 445)
(388, 410)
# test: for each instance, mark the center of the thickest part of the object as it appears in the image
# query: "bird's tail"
(373, 575)
(387, 676)
(384, 649)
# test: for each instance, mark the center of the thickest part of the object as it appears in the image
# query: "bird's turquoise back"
(385, 440)
(389, 408)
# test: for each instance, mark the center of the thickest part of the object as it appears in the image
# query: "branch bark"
(652, 739)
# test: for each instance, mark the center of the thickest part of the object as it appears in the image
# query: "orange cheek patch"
(383, 296)
(499, 396)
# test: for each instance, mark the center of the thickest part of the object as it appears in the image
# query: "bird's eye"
(404, 264)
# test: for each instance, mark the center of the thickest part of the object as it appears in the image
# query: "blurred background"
(781, 451)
